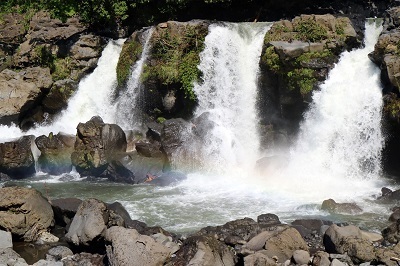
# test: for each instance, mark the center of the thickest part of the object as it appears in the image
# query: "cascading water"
(126, 109)
(229, 64)
(338, 151)
(93, 97)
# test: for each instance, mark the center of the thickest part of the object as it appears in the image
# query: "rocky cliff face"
(41, 62)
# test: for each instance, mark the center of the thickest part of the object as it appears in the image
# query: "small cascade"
(126, 112)
(338, 151)
(228, 92)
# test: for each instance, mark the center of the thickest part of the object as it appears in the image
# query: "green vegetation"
(392, 107)
(129, 54)
(176, 57)
(310, 30)
(278, 32)
(302, 78)
(272, 60)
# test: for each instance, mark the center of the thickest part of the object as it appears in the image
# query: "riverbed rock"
(84, 258)
(9, 257)
(5, 239)
(321, 258)
(56, 150)
(98, 150)
(333, 207)
(57, 98)
(16, 158)
(24, 212)
(89, 223)
(204, 250)
(349, 239)
(301, 257)
(128, 247)
(259, 258)
(59, 252)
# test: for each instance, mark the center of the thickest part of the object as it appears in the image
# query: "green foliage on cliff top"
(129, 54)
(176, 57)
(310, 30)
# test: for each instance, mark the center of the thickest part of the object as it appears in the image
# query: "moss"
(176, 58)
(61, 68)
(326, 54)
(310, 30)
(161, 120)
(130, 53)
(277, 33)
(392, 107)
(302, 78)
(271, 59)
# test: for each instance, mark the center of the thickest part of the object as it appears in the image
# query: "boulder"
(21, 92)
(268, 219)
(204, 250)
(321, 258)
(141, 166)
(349, 239)
(56, 150)
(5, 240)
(300, 257)
(283, 243)
(149, 149)
(89, 223)
(9, 257)
(16, 158)
(24, 212)
(258, 259)
(58, 96)
(98, 150)
(128, 247)
(331, 206)
(59, 252)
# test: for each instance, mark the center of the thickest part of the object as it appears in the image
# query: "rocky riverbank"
(72, 231)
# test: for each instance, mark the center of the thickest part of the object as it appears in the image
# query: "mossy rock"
(131, 52)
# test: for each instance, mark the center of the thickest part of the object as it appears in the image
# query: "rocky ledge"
(90, 232)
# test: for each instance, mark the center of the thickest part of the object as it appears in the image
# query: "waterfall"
(338, 151)
(126, 114)
(230, 66)
(93, 97)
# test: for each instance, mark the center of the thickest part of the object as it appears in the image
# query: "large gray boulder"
(204, 250)
(128, 247)
(99, 148)
(89, 223)
(9, 257)
(56, 150)
(5, 239)
(24, 212)
(16, 158)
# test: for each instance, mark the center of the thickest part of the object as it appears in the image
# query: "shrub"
(310, 30)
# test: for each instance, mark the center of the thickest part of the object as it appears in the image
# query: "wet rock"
(58, 96)
(98, 150)
(5, 239)
(154, 131)
(301, 257)
(203, 124)
(149, 149)
(142, 167)
(331, 206)
(349, 239)
(56, 150)
(268, 219)
(16, 158)
(389, 195)
(204, 250)
(128, 247)
(118, 209)
(24, 212)
(392, 232)
(395, 215)
(173, 136)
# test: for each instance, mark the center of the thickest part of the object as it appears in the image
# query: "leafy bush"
(129, 54)
(176, 58)
(310, 30)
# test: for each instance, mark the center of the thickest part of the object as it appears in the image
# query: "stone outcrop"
(128, 247)
(24, 212)
(333, 207)
(98, 150)
(56, 150)
(90, 223)
(16, 158)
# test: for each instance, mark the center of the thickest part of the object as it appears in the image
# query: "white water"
(229, 64)
(126, 112)
(93, 97)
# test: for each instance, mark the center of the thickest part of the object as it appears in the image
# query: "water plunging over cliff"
(126, 110)
(228, 91)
